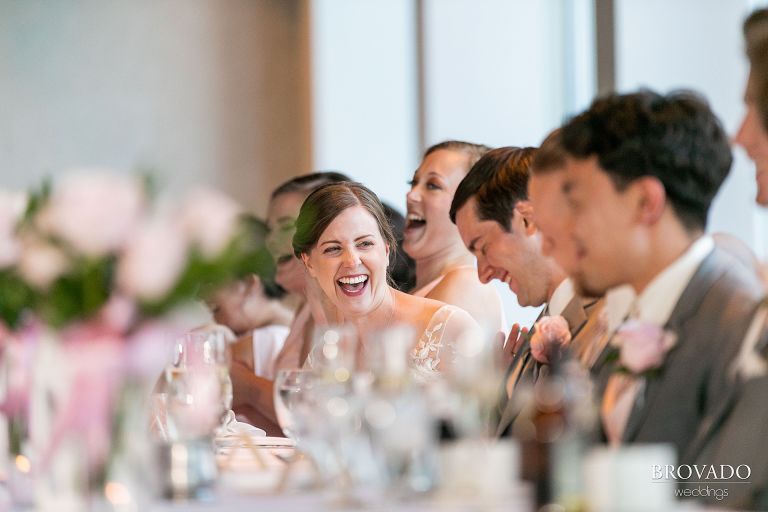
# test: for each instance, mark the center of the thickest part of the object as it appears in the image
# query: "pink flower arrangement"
(93, 212)
(93, 269)
(549, 332)
(642, 346)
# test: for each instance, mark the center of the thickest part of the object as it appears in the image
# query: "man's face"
(606, 240)
(753, 137)
(513, 257)
(553, 217)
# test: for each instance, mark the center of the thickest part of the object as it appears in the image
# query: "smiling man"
(495, 220)
(642, 171)
(753, 133)
(737, 433)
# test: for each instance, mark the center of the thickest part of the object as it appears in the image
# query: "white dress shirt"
(562, 295)
(657, 301)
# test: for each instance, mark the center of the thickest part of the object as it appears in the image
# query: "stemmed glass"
(397, 416)
(335, 358)
(291, 389)
(198, 384)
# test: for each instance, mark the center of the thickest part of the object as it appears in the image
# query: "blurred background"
(243, 94)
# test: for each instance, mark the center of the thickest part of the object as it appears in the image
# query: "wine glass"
(290, 390)
(199, 389)
(334, 353)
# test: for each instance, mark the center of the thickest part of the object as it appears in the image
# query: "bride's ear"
(308, 264)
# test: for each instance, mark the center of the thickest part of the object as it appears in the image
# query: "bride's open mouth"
(352, 286)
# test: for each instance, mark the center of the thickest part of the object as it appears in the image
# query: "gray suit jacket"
(577, 312)
(710, 320)
(735, 434)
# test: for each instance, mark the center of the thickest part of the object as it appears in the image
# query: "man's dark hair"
(675, 138)
(497, 182)
(550, 157)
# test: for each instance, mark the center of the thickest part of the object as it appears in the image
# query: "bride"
(344, 239)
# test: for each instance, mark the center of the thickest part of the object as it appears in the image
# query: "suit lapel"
(686, 307)
(576, 316)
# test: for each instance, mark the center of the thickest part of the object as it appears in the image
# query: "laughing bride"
(344, 239)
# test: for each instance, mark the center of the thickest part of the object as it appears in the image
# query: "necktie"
(619, 398)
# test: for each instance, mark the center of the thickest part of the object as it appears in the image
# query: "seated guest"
(344, 240)
(253, 309)
(735, 434)
(495, 219)
(445, 270)
(753, 133)
(252, 395)
(552, 217)
(642, 170)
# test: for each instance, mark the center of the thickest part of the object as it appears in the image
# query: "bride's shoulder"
(429, 312)
(417, 309)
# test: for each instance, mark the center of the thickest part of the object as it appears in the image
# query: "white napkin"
(234, 430)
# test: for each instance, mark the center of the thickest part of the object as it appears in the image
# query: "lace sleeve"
(429, 351)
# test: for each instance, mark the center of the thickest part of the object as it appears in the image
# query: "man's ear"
(651, 199)
(308, 264)
(525, 210)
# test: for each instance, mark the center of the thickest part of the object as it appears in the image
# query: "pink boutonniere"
(642, 346)
(549, 332)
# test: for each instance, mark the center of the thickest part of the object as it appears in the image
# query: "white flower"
(209, 218)
(94, 213)
(152, 262)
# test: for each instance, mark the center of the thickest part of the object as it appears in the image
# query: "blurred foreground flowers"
(93, 274)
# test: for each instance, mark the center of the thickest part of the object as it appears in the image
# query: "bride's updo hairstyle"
(326, 203)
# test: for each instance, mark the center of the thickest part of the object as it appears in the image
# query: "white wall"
(495, 74)
(493, 70)
(364, 92)
(194, 90)
(695, 44)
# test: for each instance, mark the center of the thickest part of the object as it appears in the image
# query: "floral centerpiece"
(93, 273)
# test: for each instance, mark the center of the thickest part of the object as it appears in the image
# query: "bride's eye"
(331, 249)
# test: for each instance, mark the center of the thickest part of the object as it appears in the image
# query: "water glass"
(290, 393)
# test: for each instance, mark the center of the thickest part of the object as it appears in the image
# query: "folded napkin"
(233, 429)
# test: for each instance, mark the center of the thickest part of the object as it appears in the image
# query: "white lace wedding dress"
(431, 350)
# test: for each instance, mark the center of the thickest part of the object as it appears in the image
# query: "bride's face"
(350, 262)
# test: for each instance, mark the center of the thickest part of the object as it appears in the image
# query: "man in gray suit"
(735, 432)
(495, 220)
(642, 171)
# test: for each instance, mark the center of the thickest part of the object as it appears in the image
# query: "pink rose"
(643, 346)
(209, 218)
(549, 332)
(94, 213)
(118, 314)
(153, 260)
